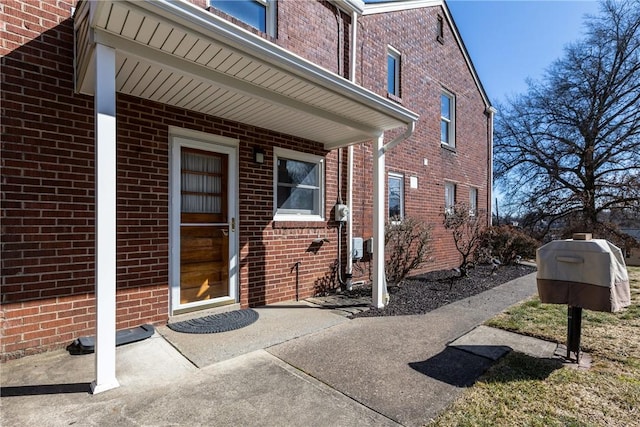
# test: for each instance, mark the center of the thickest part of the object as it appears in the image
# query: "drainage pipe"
(406, 135)
(352, 78)
(349, 266)
(491, 111)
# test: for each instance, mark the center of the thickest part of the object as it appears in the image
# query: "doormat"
(86, 345)
(221, 322)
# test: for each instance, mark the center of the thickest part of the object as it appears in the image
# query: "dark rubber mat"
(221, 322)
(86, 345)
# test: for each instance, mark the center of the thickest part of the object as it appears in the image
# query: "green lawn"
(521, 390)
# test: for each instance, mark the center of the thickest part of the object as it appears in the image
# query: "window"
(393, 72)
(473, 201)
(257, 13)
(396, 196)
(203, 187)
(299, 186)
(449, 196)
(447, 119)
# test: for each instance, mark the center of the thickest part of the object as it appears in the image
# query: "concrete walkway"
(297, 365)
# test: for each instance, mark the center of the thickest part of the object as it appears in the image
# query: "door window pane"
(202, 186)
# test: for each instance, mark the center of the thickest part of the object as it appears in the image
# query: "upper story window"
(448, 119)
(298, 186)
(449, 196)
(396, 196)
(393, 72)
(260, 14)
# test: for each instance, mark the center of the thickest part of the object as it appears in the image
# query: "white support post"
(379, 285)
(105, 222)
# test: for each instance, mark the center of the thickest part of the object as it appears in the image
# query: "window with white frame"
(393, 71)
(396, 196)
(298, 186)
(448, 119)
(260, 14)
(449, 196)
(473, 201)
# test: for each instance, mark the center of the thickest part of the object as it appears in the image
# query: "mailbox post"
(583, 273)
(574, 330)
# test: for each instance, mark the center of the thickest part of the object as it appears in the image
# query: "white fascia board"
(356, 6)
(207, 24)
(396, 6)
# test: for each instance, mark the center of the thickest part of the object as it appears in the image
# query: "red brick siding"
(316, 30)
(48, 201)
(269, 250)
(427, 67)
(48, 172)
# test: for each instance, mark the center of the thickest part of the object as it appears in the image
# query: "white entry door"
(203, 225)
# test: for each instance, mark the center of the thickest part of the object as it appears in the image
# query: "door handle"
(233, 224)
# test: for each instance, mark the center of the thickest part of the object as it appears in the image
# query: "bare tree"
(570, 147)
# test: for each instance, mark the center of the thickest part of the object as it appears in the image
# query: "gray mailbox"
(582, 273)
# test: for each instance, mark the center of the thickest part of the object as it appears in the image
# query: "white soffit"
(398, 5)
(178, 54)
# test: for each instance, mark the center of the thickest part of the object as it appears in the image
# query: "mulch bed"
(421, 294)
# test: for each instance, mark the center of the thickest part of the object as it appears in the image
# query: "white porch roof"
(173, 52)
(176, 53)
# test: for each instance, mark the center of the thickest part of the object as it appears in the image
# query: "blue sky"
(509, 41)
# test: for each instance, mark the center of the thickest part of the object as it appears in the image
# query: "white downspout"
(407, 134)
(349, 266)
(354, 47)
(352, 78)
(491, 112)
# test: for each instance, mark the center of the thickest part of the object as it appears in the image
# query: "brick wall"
(48, 172)
(316, 30)
(427, 67)
(269, 250)
(48, 198)
(47, 211)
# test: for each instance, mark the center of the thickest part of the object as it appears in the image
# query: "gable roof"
(372, 7)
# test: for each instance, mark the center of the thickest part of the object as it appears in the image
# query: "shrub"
(466, 230)
(506, 243)
(407, 244)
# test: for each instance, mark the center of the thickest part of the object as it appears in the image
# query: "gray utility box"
(589, 274)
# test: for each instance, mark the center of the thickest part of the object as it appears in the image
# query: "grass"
(521, 390)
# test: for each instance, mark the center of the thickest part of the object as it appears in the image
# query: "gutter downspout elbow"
(411, 127)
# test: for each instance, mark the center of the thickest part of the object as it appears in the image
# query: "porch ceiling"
(178, 54)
